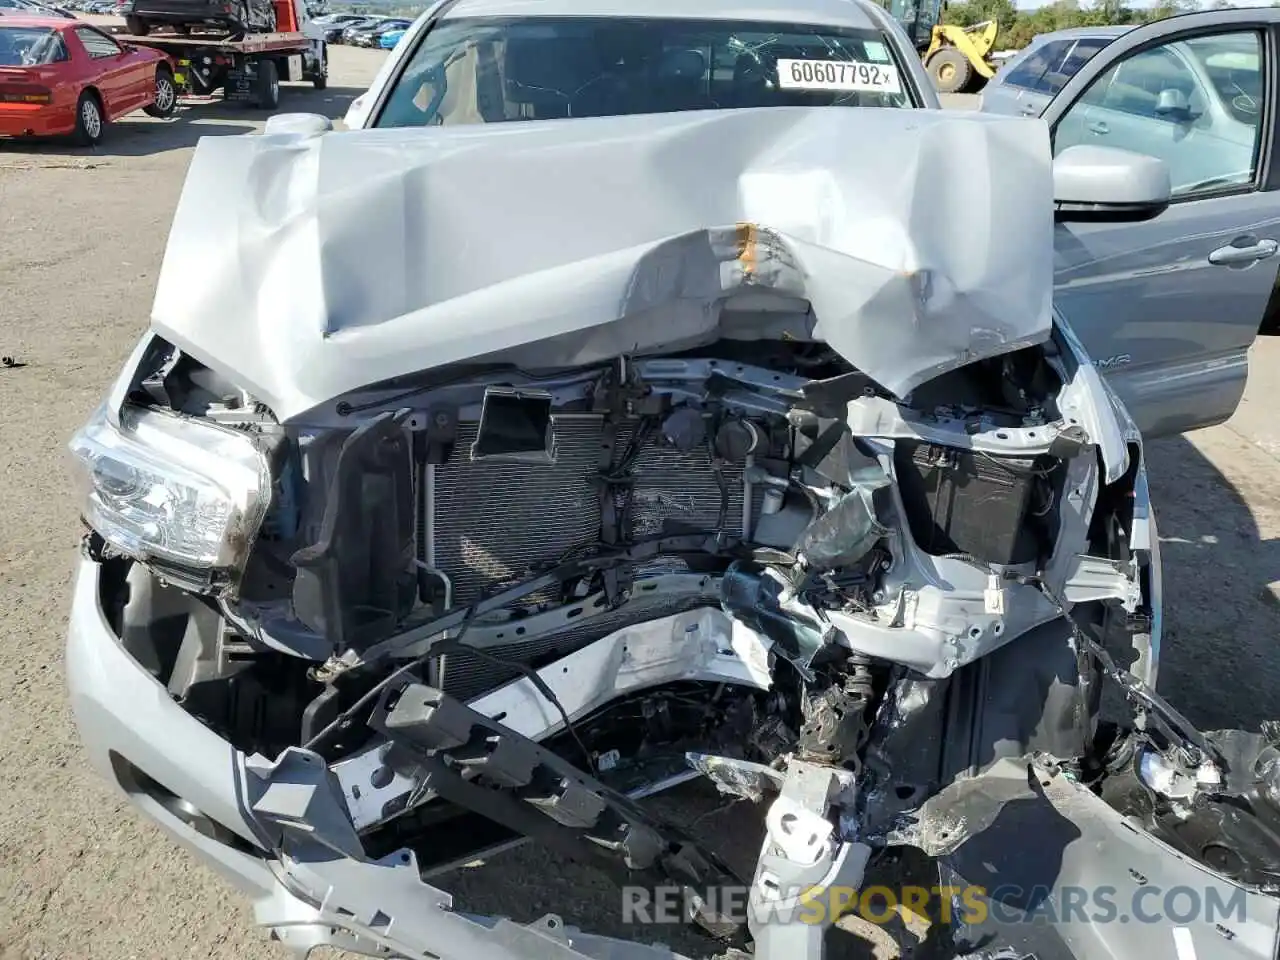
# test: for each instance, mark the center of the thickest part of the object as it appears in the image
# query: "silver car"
(632, 397)
(1027, 81)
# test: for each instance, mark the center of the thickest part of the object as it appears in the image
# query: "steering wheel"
(1245, 104)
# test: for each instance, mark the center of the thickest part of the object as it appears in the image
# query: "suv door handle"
(1099, 127)
(1259, 250)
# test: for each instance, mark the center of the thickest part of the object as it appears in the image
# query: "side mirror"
(300, 126)
(354, 118)
(1173, 105)
(1105, 183)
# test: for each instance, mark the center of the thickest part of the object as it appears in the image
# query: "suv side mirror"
(301, 126)
(1174, 105)
(356, 112)
(1106, 183)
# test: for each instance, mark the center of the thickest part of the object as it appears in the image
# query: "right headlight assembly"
(186, 496)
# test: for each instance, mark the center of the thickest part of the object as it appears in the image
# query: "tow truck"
(247, 70)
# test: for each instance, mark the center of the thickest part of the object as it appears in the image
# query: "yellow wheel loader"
(956, 58)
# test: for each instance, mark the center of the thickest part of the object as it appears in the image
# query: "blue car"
(389, 39)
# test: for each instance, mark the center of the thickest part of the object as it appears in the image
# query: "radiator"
(487, 523)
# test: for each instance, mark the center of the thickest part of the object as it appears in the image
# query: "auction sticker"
(838, 75)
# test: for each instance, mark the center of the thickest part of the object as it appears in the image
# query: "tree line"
(1017, 27)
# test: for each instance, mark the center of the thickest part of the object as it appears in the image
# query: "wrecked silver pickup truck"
(496, 480)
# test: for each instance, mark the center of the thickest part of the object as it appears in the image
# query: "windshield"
(543, 68)
(29, 46)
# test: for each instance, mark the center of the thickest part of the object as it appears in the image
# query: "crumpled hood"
(305, 267)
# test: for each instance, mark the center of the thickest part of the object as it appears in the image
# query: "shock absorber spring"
(858, 682)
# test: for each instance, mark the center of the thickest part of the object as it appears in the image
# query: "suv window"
(97, 45)
(1192, 103)
(1081, 52)
(1051, 65)
(1028, 73)
(1135, 85)
(495, 70)
(1234, 68)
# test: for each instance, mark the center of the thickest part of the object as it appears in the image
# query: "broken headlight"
(187, 496)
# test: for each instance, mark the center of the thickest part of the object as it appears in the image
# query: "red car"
(67, 77)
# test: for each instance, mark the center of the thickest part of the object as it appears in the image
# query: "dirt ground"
(81, 237)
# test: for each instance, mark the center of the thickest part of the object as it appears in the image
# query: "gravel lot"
(80, 876)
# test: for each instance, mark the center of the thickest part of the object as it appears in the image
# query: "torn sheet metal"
(743, 779)
(846, 533)
(306, 267)
(1073, 890)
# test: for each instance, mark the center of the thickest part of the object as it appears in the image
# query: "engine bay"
(501, 604)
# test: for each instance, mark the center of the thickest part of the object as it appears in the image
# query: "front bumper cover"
(1047, 854)
(304, 892)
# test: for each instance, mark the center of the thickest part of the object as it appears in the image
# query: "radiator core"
(488, 522)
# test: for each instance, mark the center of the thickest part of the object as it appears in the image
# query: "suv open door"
(1169, 306)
